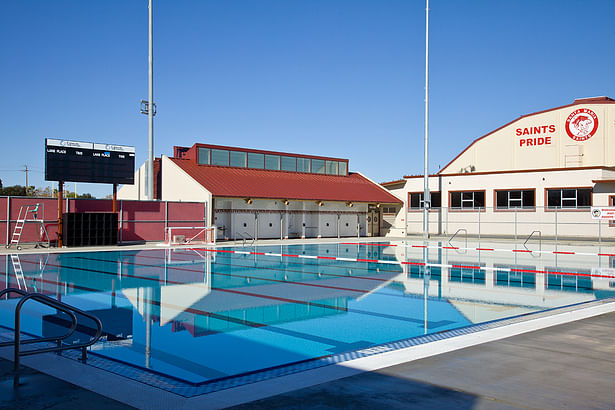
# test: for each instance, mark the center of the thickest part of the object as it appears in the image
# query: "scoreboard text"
(73, 161)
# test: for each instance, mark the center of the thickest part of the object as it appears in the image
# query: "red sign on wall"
(581, 124)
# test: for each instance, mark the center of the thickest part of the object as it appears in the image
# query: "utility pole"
(26, 171)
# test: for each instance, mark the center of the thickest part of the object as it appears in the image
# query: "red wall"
(139, 220)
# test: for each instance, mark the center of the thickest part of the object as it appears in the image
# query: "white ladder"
(21, 221)
(18, 271)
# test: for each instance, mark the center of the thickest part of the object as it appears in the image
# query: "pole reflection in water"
(147, 308)
(426, 278)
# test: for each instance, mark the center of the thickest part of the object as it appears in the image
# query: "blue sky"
(342, 78)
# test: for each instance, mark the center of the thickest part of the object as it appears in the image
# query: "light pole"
(149, 108)
(150, 111)
(426, 196)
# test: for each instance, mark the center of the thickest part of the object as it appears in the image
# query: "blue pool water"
(199, 316)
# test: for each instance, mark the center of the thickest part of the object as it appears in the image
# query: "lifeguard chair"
(29, 213)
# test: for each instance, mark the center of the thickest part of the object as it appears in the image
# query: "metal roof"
(258, 183)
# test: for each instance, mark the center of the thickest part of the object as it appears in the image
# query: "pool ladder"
(530, 237)
(450, 241)
(245, 237)
(60, 346)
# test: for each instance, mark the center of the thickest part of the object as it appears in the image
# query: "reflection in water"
(199, 315)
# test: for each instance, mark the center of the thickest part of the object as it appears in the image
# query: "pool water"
(200, 315)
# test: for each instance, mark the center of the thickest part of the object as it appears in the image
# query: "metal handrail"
(63, 307)
(539, 240)
(245, 238)
(43, 339)
(455, 234)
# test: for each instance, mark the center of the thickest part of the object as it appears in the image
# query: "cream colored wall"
(522, 222)
(135, 191)
(177, 185)
(505, 150)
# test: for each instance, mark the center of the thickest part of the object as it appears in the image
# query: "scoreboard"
(74, 161)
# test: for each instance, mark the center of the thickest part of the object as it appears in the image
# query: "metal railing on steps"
(530, 237)
(60, 346)
(245, 237)
(465, 231)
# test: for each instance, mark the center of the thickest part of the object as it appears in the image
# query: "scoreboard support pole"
(114, 198)
(60, 212)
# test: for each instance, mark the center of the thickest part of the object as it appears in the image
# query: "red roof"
(258, 183)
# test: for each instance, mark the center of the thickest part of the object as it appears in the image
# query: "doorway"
(373, 221)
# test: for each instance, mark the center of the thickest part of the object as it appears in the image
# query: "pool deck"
(564, 360)
(565, 366)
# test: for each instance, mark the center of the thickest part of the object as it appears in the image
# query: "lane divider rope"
(428, 264)
(485, 249)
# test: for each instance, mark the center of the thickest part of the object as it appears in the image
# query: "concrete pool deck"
(570, 365)
(565, 366)
(524, 365)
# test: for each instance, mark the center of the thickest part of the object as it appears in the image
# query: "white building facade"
(264, 194)
(537, 175)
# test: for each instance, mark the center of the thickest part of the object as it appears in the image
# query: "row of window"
(241, 159)
(505, 278)
(567, 198)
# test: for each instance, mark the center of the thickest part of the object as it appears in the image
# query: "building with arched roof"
(541, 172)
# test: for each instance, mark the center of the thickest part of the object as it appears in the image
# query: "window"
(303, 165)
(515, 199)
(289, 164)
(522, 276)
(389, 210)
(272, 162)
(256, 160)
(581, 282)
(570, 198)
(318, 166)
(332, 168)
(466, 275)
(238, 159)
(467, 200)
(204, 156)
(416, 200)
(219, 157)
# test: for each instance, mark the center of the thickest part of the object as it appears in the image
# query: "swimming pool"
(189, 319)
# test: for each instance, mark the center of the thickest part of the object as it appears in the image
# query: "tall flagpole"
(149, 190)
(426, 196)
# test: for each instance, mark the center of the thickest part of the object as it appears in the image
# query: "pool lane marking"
(337, 288)
(267, 327)
(237, 276)
(269, 297)
(486, 249)
(249, 294)
(366, 243)
(345, 275)
(434, 324)
(486, 268)
(420, 263)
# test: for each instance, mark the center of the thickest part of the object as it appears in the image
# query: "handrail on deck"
(63, 307)
(539, 240)
(455, 234)
(246, 237)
